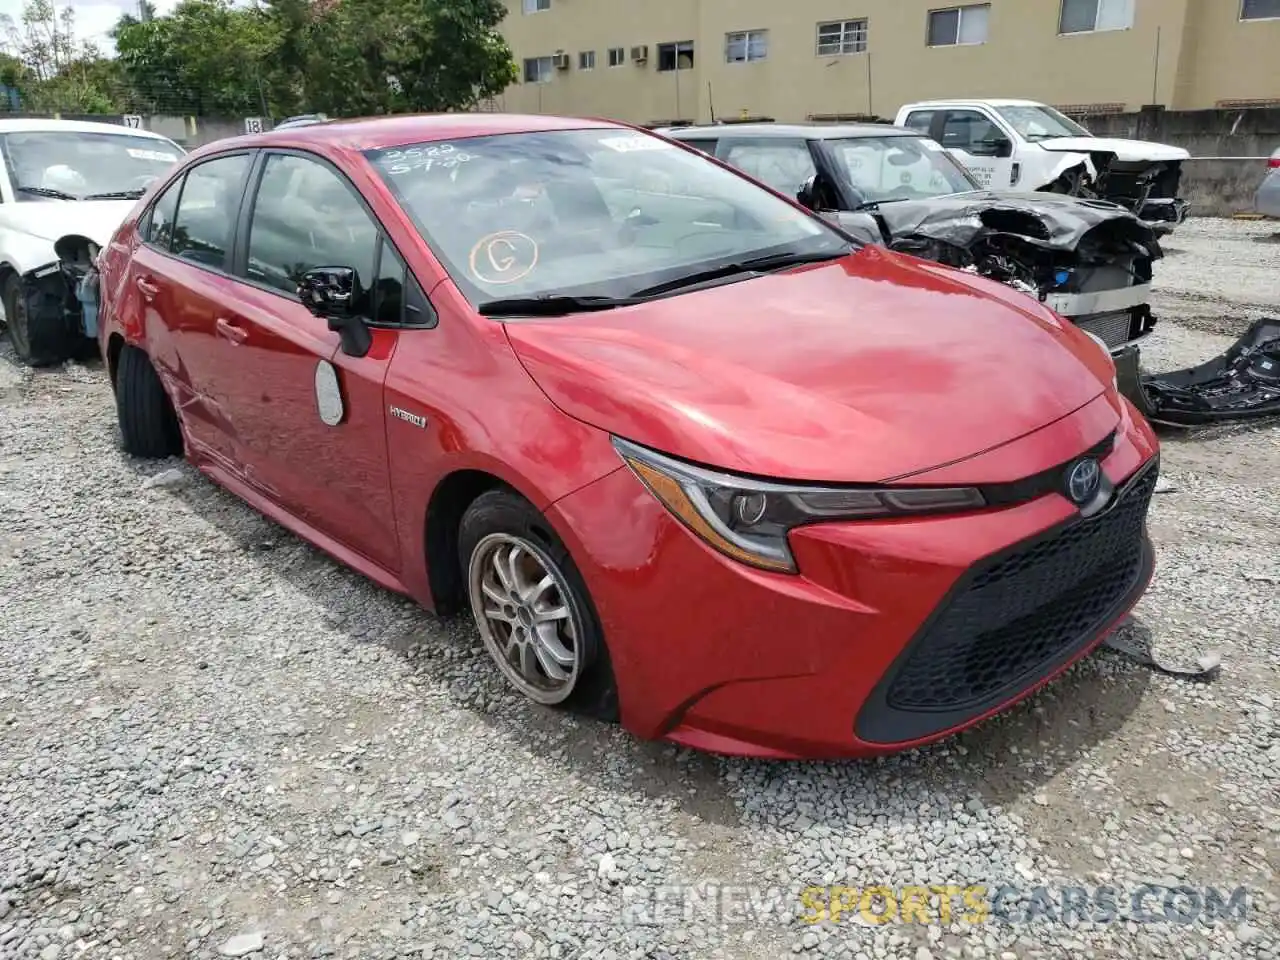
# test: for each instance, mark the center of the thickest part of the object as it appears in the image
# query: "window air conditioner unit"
(561, 61)
(640, 54)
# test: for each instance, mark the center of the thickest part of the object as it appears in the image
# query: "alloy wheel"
(527, 616)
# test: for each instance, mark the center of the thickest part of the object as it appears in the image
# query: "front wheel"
(36, 326)
(532, 608)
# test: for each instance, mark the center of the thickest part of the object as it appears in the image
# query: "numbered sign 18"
(252, 124)
(132, 120)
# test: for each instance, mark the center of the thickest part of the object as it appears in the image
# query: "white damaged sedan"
(65, 185)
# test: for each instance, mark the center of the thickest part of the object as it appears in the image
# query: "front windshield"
(898, 168)
(78, 165)
(1041, 123)
(594, 212)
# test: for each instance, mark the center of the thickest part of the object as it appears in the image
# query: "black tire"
(36, 322)
(594, 693)
(148, 424)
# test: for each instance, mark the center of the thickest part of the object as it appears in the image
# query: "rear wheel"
(532, 608)
(148, 424)
(37, 327)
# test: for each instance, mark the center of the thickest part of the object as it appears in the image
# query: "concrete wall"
(1229, 148)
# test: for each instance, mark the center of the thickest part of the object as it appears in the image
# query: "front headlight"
(749, 519)
(1106, 351)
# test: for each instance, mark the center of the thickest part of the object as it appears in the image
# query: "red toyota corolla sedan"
(692, 458)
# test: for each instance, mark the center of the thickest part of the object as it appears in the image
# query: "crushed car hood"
(53, 219)
(868, 368)
(1126, 151)
(1049, 220)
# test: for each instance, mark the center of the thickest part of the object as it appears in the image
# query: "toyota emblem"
(1083, 480)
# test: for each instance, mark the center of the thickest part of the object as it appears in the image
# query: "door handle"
(149, 289)
(229, 330)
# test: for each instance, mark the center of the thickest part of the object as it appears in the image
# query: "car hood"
(869, 368)
(1049, 220)
(53, 219)
(1126, 151)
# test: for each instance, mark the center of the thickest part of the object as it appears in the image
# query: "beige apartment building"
(658, 61)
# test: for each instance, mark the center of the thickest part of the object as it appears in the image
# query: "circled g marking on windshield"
(503, 257)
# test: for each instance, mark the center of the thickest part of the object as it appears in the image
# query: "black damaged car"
(1089, 260)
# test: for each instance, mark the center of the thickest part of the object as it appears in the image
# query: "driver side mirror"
(815, 194)
(993, 147)
(334, 294)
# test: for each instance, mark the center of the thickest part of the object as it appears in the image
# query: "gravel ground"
(216, 742)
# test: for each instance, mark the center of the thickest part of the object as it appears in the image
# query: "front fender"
(1051, 166)
(24, 253)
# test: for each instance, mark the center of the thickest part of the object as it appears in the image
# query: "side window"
(306, 216)
(389, 288)
(706, 146)
(919, 120)
(206, 214)
(159, 225)
(783, 164)
(970, 131)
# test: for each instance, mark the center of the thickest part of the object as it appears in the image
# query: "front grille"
(1113, 329)
(1018, 615)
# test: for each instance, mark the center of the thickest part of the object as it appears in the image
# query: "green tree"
(52, 71)
(206, 58)
(360, 57)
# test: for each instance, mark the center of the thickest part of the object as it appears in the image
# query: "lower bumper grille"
(1114, 329)
(1014, 619)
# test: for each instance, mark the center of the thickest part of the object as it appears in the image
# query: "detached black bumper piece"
(1242, 383)
(1015, 618)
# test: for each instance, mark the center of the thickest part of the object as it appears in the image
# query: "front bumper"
(1163, 214)
(715, 655)
(1118, 317)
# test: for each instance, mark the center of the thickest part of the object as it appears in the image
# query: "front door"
(309, 418)
(979, 143)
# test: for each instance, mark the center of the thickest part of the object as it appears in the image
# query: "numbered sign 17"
(132, 120)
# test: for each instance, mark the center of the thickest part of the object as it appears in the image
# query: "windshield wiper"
(774, 261)
(46, 192)
(875, 204)
(116, 195)
(550, 305)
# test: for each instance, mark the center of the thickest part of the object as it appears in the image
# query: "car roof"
(50, 125)
(807, 131)
(375, 133)
(975, 101)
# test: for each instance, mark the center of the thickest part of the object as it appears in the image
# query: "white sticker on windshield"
(634, 142)
(152, 155)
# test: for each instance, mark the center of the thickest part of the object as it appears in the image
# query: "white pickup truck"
(1025, 145)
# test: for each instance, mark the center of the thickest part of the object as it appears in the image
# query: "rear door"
(303, 213)
(178, 278)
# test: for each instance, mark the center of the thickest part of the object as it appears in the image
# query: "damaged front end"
(60, 304)
(1242, 383)
(1089, 261)
(1149, 189)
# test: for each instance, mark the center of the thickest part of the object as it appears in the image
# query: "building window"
(746, 46)
(842, 37)
(675, 56)
(617, 56)
(538, 69)
(1088, 16)
(536, 6)
(1260, 9)
(959, 25)
(587, 60)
